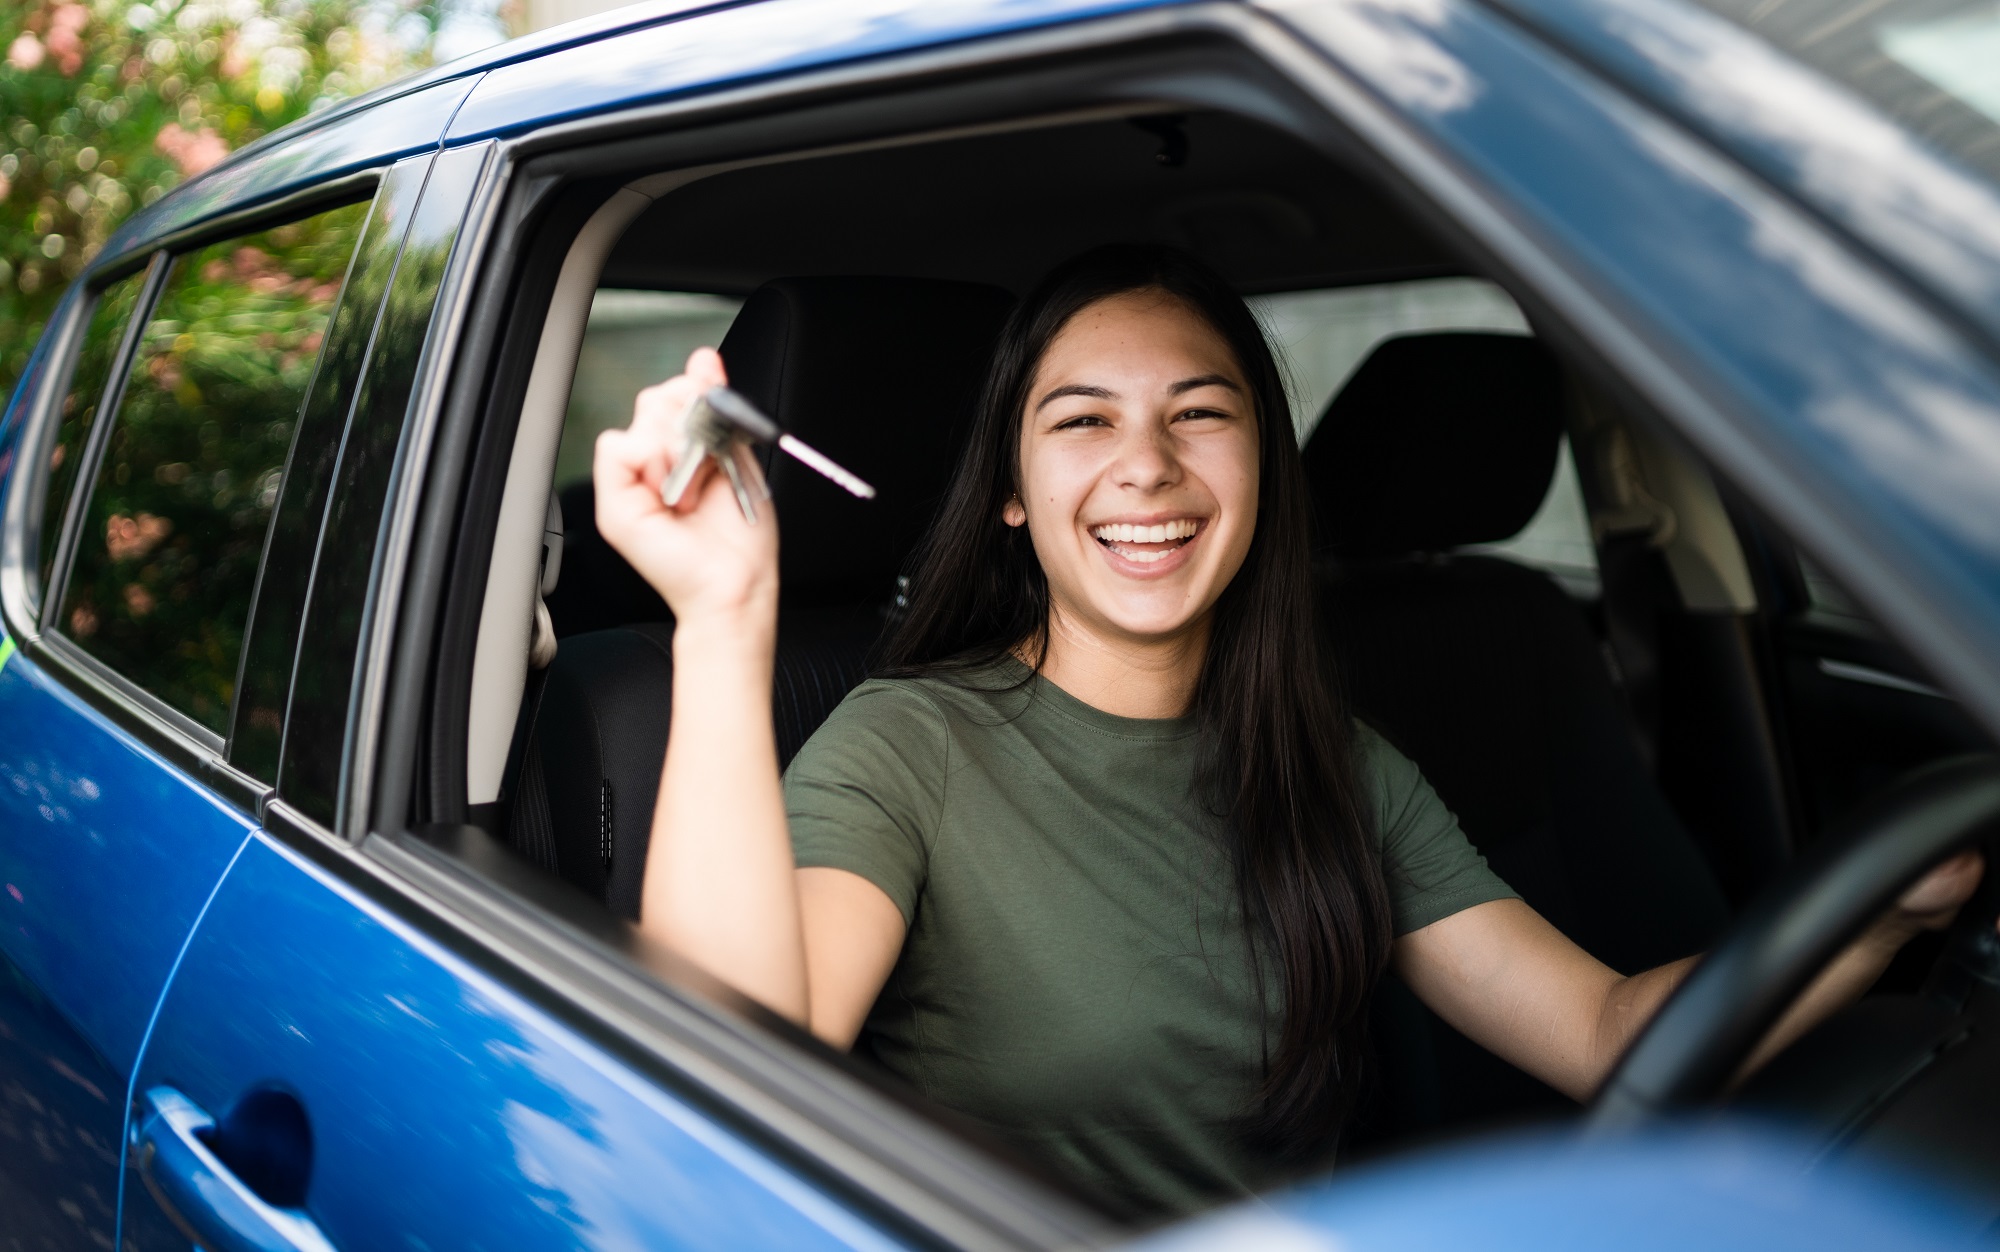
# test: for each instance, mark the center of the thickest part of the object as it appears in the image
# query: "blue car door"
(325, 1072)
(137, 510)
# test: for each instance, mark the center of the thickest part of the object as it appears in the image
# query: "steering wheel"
(1699, 1040)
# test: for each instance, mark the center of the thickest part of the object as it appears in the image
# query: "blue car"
(1646, 359)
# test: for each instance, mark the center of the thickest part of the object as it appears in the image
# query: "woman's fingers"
(1936, 897)
(659, 417)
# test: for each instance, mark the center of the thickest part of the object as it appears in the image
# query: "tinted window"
(281, 594)
(316, 749)
(88, 389)
(166, 557)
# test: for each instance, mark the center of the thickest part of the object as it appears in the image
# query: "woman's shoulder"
(1393, 782)
(1378, 758)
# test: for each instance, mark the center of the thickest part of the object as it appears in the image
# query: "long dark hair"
(1276, 745)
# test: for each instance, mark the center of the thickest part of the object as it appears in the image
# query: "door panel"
(445, 1111)
(107, 853)
(61, 1106)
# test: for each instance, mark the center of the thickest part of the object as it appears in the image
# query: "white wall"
(545, 13)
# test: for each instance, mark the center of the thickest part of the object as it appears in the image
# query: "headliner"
(1265, 209)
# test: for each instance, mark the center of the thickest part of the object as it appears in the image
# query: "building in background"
(541, 14)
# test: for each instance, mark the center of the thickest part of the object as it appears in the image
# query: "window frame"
(28, 610)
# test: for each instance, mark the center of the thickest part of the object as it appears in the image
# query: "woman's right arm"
(720, 888)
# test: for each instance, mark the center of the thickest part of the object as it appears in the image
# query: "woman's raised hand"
(706, 561)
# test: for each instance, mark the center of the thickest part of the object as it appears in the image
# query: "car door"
(324, 1072)
(154, 476)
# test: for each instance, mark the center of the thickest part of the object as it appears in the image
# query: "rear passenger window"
(167, 550)
(89, 388)
(633, 340)
(1323, 336)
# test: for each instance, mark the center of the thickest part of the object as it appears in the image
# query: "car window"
(89, 388)
(255, 738)
(314, 753)
(634, 339)
(1323, 336)
(168, 546)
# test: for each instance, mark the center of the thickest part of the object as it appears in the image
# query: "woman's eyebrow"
(1075, 389)
(1204, 380)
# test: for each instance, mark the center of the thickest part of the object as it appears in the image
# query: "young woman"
(1100, 862)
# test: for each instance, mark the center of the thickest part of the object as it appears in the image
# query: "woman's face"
(1138, 467)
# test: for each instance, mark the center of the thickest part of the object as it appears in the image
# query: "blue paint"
(1720, 1188)
(131, 1087)
(106, 854)
(1818, 140)
(447, 1111)
(60, 1124)
(754, 41)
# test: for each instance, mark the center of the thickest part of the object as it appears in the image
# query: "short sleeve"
(866, 791)
(1432, 870)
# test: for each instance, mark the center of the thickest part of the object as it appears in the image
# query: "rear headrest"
(1436, 441)
(881, 374)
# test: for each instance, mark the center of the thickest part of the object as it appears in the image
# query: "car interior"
(1639, 732)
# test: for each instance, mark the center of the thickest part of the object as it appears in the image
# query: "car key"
(722, 424)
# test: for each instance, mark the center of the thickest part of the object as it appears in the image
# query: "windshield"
(1932, 64)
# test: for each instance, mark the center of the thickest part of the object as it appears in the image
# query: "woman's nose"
(1147, 459)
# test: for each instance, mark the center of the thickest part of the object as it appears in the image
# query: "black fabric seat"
(881, 375)
(1490, 677)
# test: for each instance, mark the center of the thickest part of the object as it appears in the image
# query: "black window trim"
(26, 610)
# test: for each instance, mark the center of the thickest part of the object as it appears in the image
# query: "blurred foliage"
(106, 105)
(167, 553)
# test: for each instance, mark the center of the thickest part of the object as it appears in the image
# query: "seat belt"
(530, 827)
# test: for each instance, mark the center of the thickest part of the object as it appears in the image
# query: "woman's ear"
(1014, 513)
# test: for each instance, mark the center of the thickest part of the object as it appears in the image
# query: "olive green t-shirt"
(1077, 974)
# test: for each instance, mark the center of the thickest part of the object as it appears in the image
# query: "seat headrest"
(881, 374)
(1437, 441)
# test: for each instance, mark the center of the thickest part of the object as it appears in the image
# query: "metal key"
(722, 424)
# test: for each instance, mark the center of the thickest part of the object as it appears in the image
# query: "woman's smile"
(1147, 547)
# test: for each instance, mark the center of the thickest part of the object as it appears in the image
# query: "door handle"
(204, 1197)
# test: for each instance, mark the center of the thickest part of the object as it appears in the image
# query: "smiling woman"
(1100, 860)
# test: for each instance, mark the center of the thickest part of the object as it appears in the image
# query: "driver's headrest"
(1437, 441)
(881, 374)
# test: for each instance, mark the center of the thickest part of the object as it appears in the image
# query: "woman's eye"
(1080, 421)
(1194, 415)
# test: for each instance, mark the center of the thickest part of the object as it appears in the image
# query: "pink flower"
(192, 150)
(134, 536)
(65, 36)
(26, 52)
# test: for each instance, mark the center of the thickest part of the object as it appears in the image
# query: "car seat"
(1491, 679)
(880, 374)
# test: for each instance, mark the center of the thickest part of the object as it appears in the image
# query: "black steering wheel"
(1708, 1028)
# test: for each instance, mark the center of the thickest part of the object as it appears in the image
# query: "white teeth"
(1126, 532)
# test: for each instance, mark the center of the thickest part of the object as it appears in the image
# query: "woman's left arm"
(1514, 984)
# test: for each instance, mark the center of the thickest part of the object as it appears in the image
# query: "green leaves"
(105, 106)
